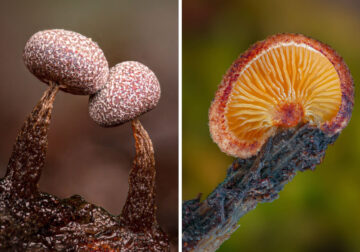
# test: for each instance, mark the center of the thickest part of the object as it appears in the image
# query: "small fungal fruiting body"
(278, 108)
(283, 81)
(131, 90)
(31, 220)
(67, 58)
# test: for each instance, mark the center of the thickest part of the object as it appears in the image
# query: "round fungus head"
(67, 58)
(283, 81)
(131, 90)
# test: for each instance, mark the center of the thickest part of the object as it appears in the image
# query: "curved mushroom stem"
(29, 151)
(139, 212)
(207, 224)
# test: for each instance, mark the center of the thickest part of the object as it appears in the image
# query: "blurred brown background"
(317, 211)
(84, 158)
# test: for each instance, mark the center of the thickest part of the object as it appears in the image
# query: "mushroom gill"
(282, 86)
(279, 83)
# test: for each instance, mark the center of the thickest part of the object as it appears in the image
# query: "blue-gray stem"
(207, 224)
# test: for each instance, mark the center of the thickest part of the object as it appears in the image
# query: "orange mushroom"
(280, 82)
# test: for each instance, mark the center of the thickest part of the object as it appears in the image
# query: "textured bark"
(207, 224)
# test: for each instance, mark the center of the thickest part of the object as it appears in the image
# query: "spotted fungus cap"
(67, 58)
(283, 81)
(131, 90)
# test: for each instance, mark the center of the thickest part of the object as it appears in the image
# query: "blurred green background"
(317, 211)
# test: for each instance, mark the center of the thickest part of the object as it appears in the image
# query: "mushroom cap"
(280, 82)
(132, 89)
(67, 58)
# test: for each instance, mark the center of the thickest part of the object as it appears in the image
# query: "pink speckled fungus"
(69, 59)
(132, 89)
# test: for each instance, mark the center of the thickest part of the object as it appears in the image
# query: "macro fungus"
(131, 90)
(280, 82)
(67, 58)
(31, 220)
(64, 60)
(277, 109)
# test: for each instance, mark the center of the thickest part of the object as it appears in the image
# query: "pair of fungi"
(279, 83)
(77, 65)
(70, 62)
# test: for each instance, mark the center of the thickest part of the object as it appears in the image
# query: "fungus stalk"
(29, 151)
(34, 220)
(139, 210)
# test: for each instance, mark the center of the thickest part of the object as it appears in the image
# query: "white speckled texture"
(67, 58)
(132, 89)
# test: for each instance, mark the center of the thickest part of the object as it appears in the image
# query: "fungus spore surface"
(67, 58)
(280, 82)
(131, 90)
